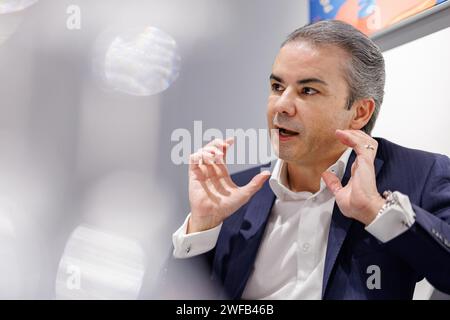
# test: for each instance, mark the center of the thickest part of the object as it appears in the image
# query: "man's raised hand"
(213, 196)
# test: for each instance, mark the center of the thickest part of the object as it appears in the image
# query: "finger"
(206, 157)
(345, 137)
(219, 185)
(332, 182)
(222, 170)
(256, 183)
(221, 167)
(221, 145)
(199, 173)
(213, 165)
(366, 139)
(201, 164)
(228, 143)
(194, 160)
(214, 150)
(362, 137)
(211, 172)
(229, 140)
(224, 176)
(357, 142)
(219, 157)
(354, 166)
(217, 154)
(194, 166)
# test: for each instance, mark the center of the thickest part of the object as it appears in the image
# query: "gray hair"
(365, 73)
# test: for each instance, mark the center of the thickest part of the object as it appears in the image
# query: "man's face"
(308, 97)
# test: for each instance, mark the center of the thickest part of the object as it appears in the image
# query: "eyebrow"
(302, 81)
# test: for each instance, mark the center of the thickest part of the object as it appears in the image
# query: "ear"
(362, 112)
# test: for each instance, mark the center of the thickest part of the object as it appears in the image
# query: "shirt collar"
(278, 179)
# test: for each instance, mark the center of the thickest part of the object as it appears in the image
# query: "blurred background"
(90, 94)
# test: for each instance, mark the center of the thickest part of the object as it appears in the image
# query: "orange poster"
(369, 16)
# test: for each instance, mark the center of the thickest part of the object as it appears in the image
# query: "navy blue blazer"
(422, 251)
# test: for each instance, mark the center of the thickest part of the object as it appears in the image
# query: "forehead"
(300, 59)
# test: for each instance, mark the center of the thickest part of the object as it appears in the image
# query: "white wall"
(416, 109)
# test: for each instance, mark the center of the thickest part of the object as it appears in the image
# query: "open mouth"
(286, 132)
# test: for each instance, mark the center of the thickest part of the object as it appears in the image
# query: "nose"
(286, 103)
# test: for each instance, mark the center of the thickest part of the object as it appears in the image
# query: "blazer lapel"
(258, 211)
(340, 225)
(247, 241)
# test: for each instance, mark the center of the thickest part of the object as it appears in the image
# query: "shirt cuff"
(193, 244)
(394, 221)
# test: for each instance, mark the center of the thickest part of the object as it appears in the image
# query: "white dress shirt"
(291, 258)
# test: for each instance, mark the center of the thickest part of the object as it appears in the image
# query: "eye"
(309, 91)
(276, 87)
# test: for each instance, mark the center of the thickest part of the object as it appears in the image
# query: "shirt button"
(188, 249)
(314, 199)
(305, 247)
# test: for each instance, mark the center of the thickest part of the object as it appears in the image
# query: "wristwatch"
(395, 201)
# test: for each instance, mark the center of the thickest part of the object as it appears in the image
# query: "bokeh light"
(8, 6)
(137, 61)
(8, 25)
(11, 16)
(10, 277)
(119, 248)
(20, 247)
(100, 265)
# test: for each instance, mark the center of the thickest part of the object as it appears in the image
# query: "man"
(323, 224)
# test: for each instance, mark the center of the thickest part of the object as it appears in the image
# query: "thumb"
(332, 182)
(256, 183)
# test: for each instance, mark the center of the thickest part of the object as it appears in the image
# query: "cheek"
(321, 125)
(271, 100)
